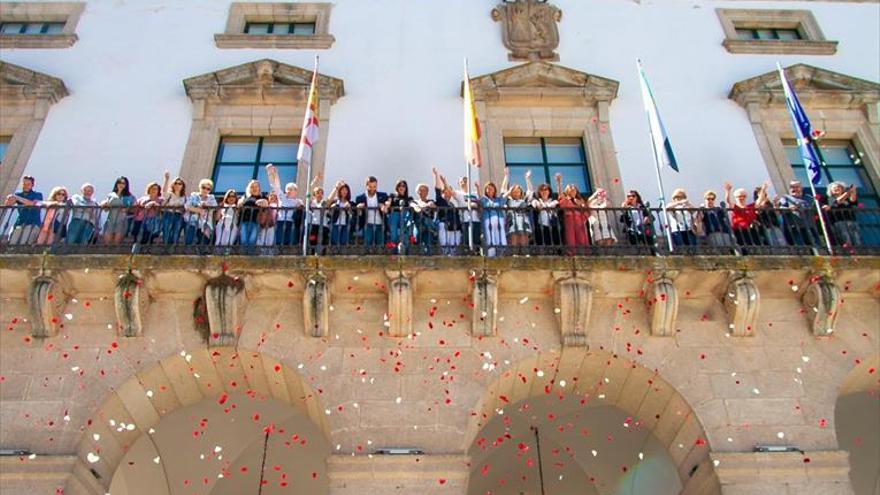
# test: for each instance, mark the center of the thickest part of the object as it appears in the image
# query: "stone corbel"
(742, 300)
(823, 303)
(316, 305)
(574, 300)
(130, 302)
(224, 304)
(485, 299)
(661, 296)
(46, 300)
(400, 303)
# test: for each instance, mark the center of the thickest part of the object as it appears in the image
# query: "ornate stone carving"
(574, 301)
(741, 300)
(485, 299)
(316, 305)
(46, 299)
(224, 305)
(400, 293)
(529, 29)
(823, 302)
(130, 303)
(662, 300)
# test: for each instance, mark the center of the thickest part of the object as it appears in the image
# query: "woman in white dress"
(226, 228)
(601, 229)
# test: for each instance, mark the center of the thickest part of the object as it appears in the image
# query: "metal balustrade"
(434, 231)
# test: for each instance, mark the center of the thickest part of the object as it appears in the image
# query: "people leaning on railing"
(483, 219)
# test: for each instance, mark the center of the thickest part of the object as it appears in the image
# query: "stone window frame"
(843, 107)
(241, 13)
(264, 98)
(812, 40)
(541, 99)
(25, 99)
(67, 12)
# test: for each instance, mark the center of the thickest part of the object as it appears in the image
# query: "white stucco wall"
(401, 63)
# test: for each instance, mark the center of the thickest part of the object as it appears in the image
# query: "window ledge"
(37, 40)
(282, 41)
(779, 47)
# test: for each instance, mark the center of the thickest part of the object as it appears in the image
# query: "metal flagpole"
(467, 192)
(540, 461)
(307, 219)
(657, 161)
(815, 146)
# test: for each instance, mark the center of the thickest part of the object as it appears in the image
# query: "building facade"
(136, 373)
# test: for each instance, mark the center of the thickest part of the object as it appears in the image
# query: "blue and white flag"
(803, 130)
(662, 146)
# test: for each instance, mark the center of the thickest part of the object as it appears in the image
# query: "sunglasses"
(710, 198)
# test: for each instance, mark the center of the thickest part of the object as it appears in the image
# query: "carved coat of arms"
(529, 29)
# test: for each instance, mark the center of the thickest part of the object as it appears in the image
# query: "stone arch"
(855, 423)
(625, 384)
(177, 381)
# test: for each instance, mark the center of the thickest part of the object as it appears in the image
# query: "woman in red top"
(574, 217)
(745, 216)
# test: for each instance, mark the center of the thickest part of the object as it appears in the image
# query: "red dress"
(744, 217)
(575, 222)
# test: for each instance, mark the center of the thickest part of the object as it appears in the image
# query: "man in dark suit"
(371, 212)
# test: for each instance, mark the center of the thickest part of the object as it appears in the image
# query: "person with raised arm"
(174, 197)
(448, 215)
(518, 218)
(840, 207)
(547, 232)
(601, 226)
(290, 211)
(744, 216)
(470, 214)
(574, 216)
(683, 219)
(341, 214)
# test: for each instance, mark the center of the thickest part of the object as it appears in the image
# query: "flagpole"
(467, 192)
(307, 220)
(657, 165)
(811, 143)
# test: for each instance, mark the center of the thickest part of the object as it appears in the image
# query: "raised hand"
(727, 186)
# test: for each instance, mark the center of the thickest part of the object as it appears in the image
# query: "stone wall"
(737, 340)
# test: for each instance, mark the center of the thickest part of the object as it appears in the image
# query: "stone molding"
(813, 42)
(823, 302)
(763, 469)
(241, 13)
(46, 299)
(529, 29)
(130, 301)
(25, 99)
(260, 98)
(66, 12)
(485, 303)
(661, 296)
(540, 99)
(573, 297)
(316, 305)
(356, 475)
(742, 301)
(400, 303)
(224, 300)
(844, 107)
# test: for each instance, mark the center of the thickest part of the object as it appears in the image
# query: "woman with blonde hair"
(683, 220)
(600, 224)
(575, 213)
(250, 205)
(55, 221)
(519, 221)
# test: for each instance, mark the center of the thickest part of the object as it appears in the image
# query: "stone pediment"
(543, 81)
(19, 84)
(261, 82)
(814, 86)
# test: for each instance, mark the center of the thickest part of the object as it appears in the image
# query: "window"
(768, 34)
(4, 144)
(773, 32)
(31, 28)
(296, 28)
(546, 157)
(277, 25)
(842, 162)
(39, 24)
(241, 159)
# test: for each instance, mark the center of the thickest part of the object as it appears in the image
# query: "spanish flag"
(471, 125)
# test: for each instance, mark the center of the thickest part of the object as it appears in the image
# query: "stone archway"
(857, 424)
(598, 376)
(176, 382)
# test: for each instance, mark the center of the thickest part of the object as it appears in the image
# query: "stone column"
(130, 303)
(316, 306)
(810, 473)
(383, 474)
(224, 302)
(46, 300)
(574, 301)
(741, 300)
(823, 303)
(662, 300)
(485, 298)
(400, 295)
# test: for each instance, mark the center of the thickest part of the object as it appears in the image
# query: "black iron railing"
(433, 231)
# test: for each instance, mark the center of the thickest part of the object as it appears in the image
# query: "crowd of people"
(485, 218)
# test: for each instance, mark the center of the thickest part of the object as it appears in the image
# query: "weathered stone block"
(485, 299)
(823, 302)
(316, 305)
(130, 302)
(574, 300)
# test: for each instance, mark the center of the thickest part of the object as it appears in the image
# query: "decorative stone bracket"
(46, 300)
(661, 296)
(823, 303)
(400, 303)
(316, 305)
(485, 299)
(574, 301)
(131, 303)
(224, 304)
(742, 300)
